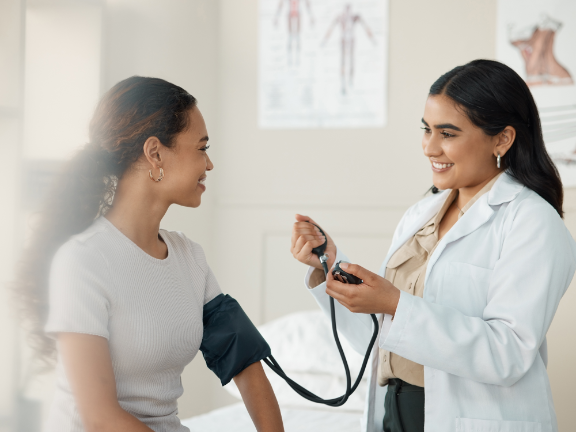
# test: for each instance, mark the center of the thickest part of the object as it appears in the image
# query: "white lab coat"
(492, 287)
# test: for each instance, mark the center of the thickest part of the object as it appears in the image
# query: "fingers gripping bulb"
(319, 250)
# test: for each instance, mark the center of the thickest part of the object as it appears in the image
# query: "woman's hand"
(305, 237)
(374, 295)
(259, 398)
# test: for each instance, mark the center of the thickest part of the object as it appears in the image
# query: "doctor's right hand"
(305, 237)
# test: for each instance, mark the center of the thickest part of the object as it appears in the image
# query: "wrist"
(390, 299)
(393, 301)
(316, 278)
(330, 261)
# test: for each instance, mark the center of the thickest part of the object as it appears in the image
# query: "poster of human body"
(537, 39)
(322, 63)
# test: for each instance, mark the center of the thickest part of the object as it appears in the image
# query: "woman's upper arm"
(88, 367)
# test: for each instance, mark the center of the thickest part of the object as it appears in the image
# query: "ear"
(152, 148)
(504, 140)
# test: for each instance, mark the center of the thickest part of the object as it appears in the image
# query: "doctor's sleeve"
(535, 267)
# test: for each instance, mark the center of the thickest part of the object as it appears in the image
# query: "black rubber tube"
(306, 394)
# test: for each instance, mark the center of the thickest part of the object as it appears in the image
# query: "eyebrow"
(204, 139)
(444, 126)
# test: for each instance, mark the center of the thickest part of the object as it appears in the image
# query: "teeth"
(441, 166)
(202, 181)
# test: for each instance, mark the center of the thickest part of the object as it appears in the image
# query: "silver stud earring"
(498, 160)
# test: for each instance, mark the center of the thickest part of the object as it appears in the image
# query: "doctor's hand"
(374, 295)
(305, 237)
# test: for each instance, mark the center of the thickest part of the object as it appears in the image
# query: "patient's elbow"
(112, 420)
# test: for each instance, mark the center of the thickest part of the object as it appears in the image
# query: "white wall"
(10, 138)
(62, 76)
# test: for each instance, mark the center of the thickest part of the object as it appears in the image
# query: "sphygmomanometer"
(231, 342)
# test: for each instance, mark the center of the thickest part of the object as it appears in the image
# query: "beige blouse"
(406, 270)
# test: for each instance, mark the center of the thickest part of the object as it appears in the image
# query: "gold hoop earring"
(160, 177)
(497, 161)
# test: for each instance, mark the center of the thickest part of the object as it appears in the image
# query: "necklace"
(457, 204)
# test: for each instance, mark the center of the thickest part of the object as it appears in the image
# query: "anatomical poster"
(537, 38)
(322, 63)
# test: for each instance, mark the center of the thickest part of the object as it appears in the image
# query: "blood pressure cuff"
(230, 342)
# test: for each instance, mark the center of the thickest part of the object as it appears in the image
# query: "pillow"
(304, 346)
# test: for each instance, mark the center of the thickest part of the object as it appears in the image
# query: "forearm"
(113, 419)
(259, 398)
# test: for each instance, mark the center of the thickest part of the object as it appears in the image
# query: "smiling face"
(187, 164)
(461, 155)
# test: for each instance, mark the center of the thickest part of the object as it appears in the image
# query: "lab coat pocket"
(475, 425)
(465, 287)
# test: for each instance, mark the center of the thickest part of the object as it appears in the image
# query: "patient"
(117, 300)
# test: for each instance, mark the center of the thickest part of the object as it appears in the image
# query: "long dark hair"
(493, 96)
(130, 112)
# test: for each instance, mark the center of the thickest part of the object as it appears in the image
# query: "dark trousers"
(404, 405)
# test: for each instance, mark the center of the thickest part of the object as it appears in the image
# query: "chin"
(193, 203)
(442, 183)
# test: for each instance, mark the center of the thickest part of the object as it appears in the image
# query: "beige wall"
(355, 182)
(175, 40)
(263, 177)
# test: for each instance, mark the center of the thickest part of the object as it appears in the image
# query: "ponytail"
(127, 115)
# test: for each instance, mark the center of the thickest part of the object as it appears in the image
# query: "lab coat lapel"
(504, 190)
(413, 224)
(475, 217)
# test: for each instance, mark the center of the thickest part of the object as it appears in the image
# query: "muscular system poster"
(536, 38)
(322, 63)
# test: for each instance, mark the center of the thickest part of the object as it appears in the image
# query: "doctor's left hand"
(374, 295)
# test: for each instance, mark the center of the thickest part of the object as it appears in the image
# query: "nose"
(431, 145)
(209, 164)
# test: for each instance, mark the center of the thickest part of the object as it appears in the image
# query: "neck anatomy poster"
(537, 39)
(322, 63)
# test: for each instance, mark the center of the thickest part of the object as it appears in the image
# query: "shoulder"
(530, 206)
(531, 216)
(80, 268)
(187, 247)
(83, 250)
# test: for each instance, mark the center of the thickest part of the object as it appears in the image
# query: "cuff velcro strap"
(230, 342)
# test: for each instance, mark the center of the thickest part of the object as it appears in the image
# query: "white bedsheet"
(235, 418)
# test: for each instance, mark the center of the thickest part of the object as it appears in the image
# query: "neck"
(467, 193)
(137, 211)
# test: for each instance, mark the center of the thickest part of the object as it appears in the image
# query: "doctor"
(474, 275)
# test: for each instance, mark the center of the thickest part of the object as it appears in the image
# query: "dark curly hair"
(130, 112)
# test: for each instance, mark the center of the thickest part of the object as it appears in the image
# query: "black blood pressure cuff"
(230, 342)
